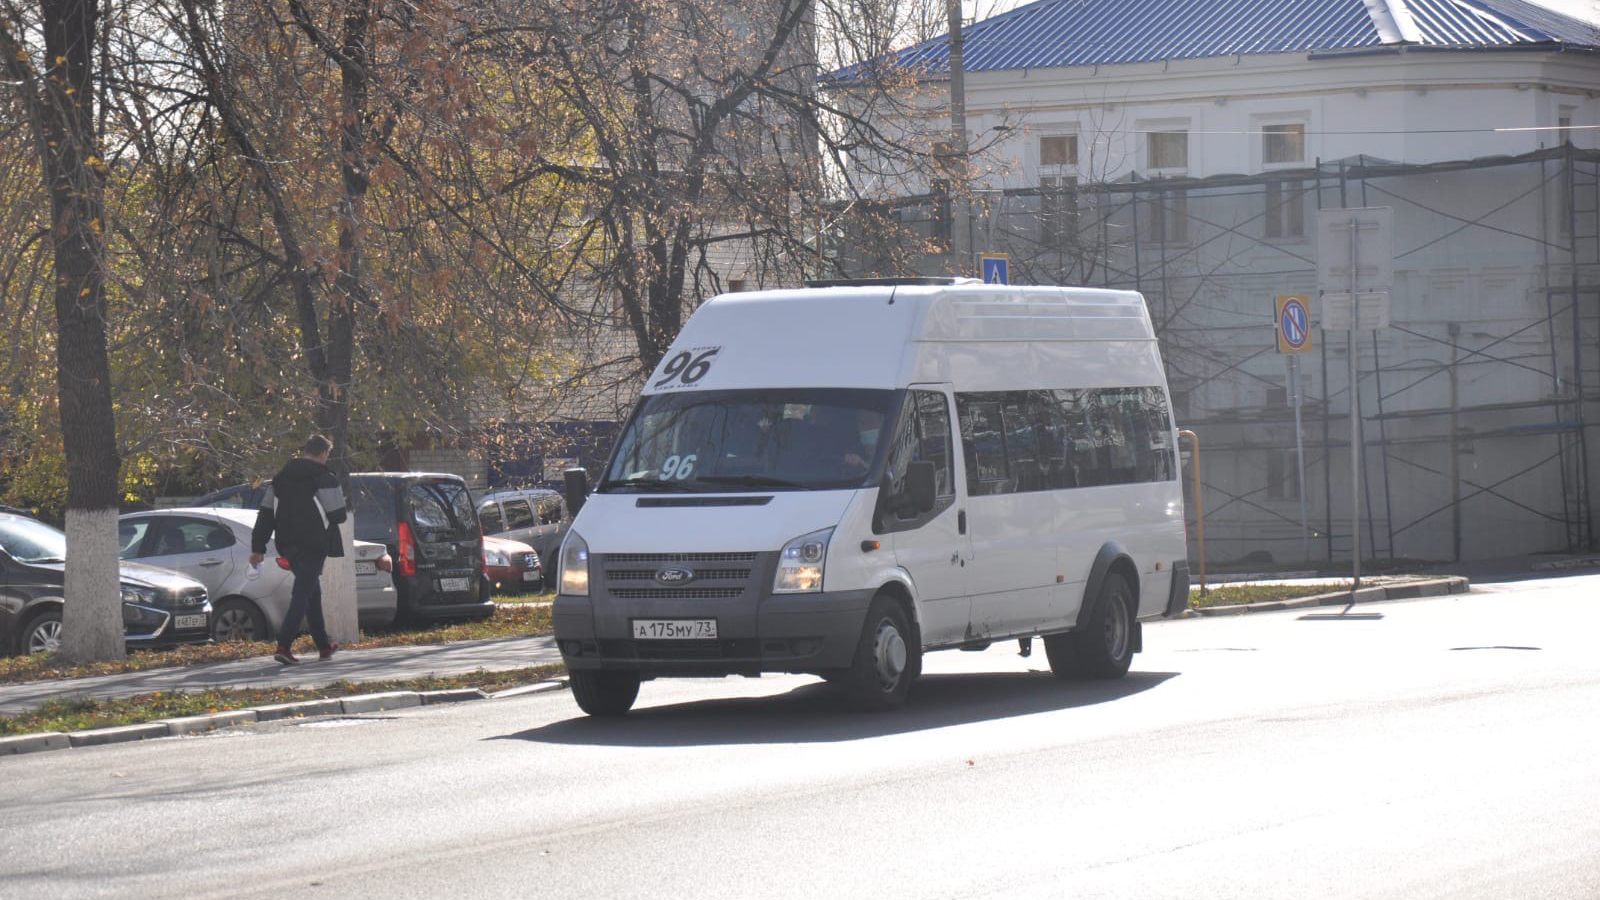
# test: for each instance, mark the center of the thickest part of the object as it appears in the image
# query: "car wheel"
(237, 619)
(606, 692)
(887, 659)
(1103, 647)
(42, 634)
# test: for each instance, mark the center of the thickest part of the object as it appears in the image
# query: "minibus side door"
(931, 545)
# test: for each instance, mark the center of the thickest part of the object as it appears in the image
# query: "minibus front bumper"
(766, 632)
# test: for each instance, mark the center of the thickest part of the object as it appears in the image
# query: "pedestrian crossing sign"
(995, 267)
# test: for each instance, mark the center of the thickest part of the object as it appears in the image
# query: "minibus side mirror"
(919, 496)
(577, 489)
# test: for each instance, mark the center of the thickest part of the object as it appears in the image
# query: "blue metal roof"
(1105, 32)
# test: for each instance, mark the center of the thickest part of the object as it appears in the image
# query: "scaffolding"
(1478, 403)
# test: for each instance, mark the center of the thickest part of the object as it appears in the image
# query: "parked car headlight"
(144, 596)
(495, 558)
(575, 565)
(800, 563)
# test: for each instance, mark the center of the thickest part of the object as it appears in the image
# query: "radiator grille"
(699, 574)
(688, 593)
(678, 557)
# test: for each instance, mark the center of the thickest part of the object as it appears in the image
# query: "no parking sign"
(1294, 323)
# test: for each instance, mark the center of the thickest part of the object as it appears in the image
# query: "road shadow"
(814, 713)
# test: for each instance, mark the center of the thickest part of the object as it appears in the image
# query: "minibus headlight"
(800, 563)
(575, 565)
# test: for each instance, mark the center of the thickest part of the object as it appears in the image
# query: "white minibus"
(837, 479)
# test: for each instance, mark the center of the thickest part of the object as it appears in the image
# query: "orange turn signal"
(869, 546)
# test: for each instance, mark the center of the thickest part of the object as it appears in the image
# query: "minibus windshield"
(759, 439)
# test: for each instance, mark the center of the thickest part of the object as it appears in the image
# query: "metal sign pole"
(1299, 455)
(1355, 417)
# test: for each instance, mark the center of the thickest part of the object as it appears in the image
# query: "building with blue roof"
(1186, 148)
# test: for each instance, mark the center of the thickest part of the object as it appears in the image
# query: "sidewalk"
(1373, 589)
(379, 664)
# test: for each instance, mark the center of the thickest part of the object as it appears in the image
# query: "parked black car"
(240, 496)
(159, 608)
(428, 522)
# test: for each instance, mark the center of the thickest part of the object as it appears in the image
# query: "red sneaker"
(333, 647)
(284, 656)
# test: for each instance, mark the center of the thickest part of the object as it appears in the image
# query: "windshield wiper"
(654, 484)
(753, 481)
(46, 559)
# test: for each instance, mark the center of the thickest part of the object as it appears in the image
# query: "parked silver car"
(212, 545)
(536, 517)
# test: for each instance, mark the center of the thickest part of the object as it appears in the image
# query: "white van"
(837, 479)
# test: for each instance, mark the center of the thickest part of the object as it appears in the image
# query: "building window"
(1283, 479)
(1283, 144)
(1058, 150)
(1058, 210)
(1286, 209)
(1167, 150)
(1168, 217)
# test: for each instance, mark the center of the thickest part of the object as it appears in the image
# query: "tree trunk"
(92, 618)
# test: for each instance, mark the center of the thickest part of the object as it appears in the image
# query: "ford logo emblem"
(675, 575)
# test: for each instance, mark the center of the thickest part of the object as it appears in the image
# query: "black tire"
(1103, 648)
(605, 692)
(888, 657)
(42, 634)
(237, 619)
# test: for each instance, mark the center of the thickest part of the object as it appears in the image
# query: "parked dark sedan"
(159, 608)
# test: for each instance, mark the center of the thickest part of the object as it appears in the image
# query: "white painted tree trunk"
(339, 589)
(91, 619)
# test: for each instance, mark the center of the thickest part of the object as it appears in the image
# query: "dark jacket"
(303, 506)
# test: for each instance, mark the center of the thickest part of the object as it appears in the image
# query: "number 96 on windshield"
(685, 368)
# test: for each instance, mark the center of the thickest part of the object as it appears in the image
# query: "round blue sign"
(1294, 323)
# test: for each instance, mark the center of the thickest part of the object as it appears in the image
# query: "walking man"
(304, 507)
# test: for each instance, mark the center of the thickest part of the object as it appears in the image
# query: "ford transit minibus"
(836, 480)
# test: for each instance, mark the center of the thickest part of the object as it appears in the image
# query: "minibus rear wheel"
(1103, 647)
(604, 692)
(887, 658)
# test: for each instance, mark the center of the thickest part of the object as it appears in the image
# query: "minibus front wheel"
(605, 692)
(887, 659)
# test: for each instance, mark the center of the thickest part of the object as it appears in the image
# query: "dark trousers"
(305, 601)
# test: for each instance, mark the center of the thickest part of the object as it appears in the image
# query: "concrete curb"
(542, 687)
(299, 709)
(198, 724)
(187, 725)
(1409, 590)
(94, 737)
(33, 743)
(451, 695)
(366, 703)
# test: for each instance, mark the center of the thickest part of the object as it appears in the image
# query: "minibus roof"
(860, 334)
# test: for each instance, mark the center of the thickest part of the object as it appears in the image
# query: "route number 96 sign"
(684, 368)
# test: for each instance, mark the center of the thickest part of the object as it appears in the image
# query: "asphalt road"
(1436, 748)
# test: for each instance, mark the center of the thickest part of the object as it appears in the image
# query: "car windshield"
(30, 541)
(767, 439)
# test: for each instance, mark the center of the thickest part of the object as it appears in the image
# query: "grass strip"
(78, 713)
(1234, 594)
(508, 620)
